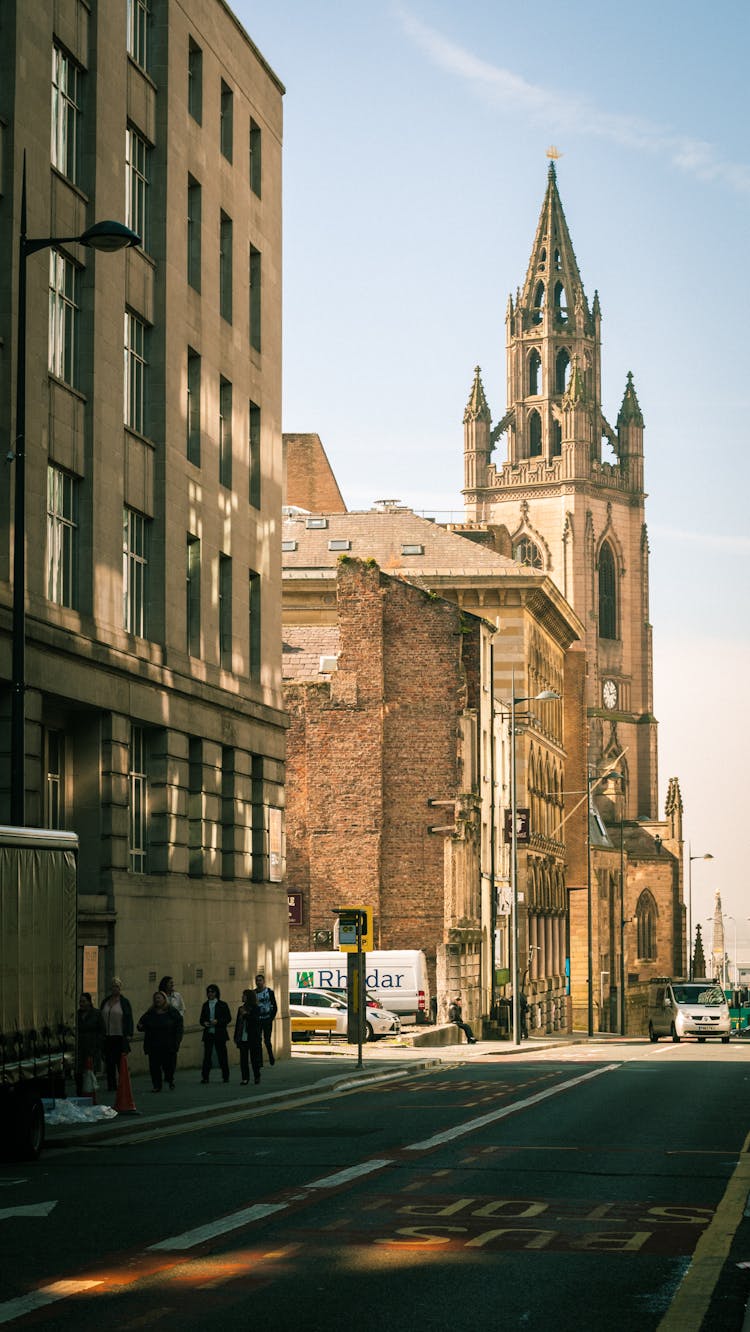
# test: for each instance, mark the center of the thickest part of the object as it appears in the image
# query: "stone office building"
(154, 724)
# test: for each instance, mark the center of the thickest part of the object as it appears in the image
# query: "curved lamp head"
(109, 236)
(545, 696)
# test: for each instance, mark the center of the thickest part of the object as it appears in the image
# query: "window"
(225, 121)
(195, 807)
(535, 373)
(193, 408)
(254, 455)
(227, 811)
(54, 768)
(134, 571)
(254, 616)
(254, 281)
(62, 537)
(137, 154)
(139, 16)
(562, 371)
(136, 373)
(561, 304)
(526, 552)
(225, 267)
(225, 432)
(645, 918)
(193, 607)
(535, 435)
(194, 233)
(62, 335)
(288, 545)
(556, 439)
(412, 548)
(195, 80)
(138, 799)
(255, 160)
(538, 306)
(339, 543)
(607, 593)
(225, 612)
(66, 114)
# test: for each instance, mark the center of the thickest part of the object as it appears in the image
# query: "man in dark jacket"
(268, 1009)
(455, 1014)
(215, 1018)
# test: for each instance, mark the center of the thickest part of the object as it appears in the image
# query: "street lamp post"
(734, 922)
(545, 696)
(594, 780)
(706, 856)
(106, 236)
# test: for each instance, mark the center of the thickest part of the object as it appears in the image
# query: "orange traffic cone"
(88, 1081)
(124, 1103)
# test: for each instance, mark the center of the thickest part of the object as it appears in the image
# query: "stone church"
(569, 500)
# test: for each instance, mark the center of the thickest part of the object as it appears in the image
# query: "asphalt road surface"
(587, 1188)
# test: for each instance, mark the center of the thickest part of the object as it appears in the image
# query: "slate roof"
(303, 645)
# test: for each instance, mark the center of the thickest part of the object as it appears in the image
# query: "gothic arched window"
(556, 439)
(538, 310)
(535, 372)
(562, 371)
(527, 553)
(645, 919)
(535, 435)
(607, 593)
(561, 304)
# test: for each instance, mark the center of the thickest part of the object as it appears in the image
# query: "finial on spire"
(477, 408)
(554, 155)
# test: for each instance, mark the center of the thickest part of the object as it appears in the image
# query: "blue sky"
(414, 171)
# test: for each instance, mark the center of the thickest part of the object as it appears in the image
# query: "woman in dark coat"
(118, 1022)
(90, 1032)
(247, 1036)
(160, 1027)
(215, 1018)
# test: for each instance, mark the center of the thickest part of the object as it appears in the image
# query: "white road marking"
(354, 1172)
(27, 1209)
(38, 1299)
(222, 1226)
(472, 1125)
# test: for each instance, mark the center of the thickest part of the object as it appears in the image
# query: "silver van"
(680, 1008)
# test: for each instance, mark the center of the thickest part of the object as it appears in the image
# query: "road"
(588, 1187)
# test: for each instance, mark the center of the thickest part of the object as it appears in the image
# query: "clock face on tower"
(609, 694)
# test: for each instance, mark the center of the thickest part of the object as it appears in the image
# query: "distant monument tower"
(718, 950)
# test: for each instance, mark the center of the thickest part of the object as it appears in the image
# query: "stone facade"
(154, 723)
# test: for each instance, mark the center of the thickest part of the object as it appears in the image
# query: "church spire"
(630, 412)
(552, 278)
(476, 407)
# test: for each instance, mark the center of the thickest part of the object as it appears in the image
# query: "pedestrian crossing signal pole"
(355, 935)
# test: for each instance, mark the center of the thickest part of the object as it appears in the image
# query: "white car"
(325, 1004)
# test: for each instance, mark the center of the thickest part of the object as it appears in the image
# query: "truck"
(38, 912)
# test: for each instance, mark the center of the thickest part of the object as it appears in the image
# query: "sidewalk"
(316, 1069)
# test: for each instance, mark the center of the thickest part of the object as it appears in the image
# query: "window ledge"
(71, 184)
(66, 387)
(142, 439)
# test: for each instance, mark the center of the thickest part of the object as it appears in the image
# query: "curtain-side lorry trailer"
(37, 979)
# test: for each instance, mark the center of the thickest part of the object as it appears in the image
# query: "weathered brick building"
(395, 722)
(529, 651)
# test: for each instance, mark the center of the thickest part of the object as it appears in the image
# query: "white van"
(680, 1008)
(398, 980)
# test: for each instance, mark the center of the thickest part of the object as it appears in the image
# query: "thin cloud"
(564, 114)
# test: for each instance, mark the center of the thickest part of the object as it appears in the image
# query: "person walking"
(455, 1015)
(160, 1027)
(247, 1037)
(177, 1004)
(524, 1015)
(90, 1031)
(117, 1013)
(268, 1010)
(215, 1018)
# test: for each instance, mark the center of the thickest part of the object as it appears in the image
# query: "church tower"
(570, 494)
